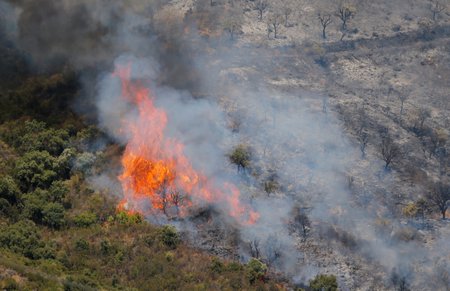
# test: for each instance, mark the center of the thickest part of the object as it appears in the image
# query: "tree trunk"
(324, 34)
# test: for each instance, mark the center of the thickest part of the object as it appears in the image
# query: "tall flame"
(157, 176)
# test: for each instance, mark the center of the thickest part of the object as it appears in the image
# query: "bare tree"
(363, 139)
(389, 151)
(164, 196)
(177, 198)
(436, 8)
(274, 22)
(438, 139)
(439, 196)
(232, 24)
(301, 221)
(423, 115)
(399, 281)
(261, 6)
(254, 248)
(272, 249)
(402, 97)
(286, 8)
(325, 20)
(345, 13)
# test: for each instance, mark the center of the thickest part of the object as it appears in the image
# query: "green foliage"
(255, 270)
(85, 219)
(34, 135)
(105, 247)
(23, 238)
(9, 189)
(217, 266)
(53, 215)
(40, 207)
(126, 218)
(36, 169)
(8, 284)
(80, 283)
(82, 245)
(324, 283)
(169, 236)
(58, 191)
(240, 157)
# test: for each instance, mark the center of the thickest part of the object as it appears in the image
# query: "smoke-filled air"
(224, 145)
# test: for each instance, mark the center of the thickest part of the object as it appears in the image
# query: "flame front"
(157, 176)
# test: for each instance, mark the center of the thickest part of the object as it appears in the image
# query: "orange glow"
(157, 176)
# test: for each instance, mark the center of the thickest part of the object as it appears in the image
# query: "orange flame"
(155, 170)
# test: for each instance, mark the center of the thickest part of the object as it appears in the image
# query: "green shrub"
(36, 169)
(240, 157)
(105, 247)
(8, 284)
(23, 238)
(324, 283)
(85, 219)
(82, 245)
(169, 236)
(217, 266)
(128, 218)
(58, 191)
(9, 189)
(53, 215)
(255, 270)
(4, 207)
(80, 283)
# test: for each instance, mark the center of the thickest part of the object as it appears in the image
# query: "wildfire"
(157, 176)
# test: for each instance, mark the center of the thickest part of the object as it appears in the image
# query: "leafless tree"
(363, 139)
(439, 196)
(438, 139)
(423, 115)
(272, 249)
(233, 24)
(164, 196)
(301, 221)
(345, 13)
(274, 22)
(389, 151)
(442, 155)
(286, 8)
(177, 198)
(436, 8)
(261, 6)
(399, 281)
(402, 96)
(254, 248)
(325, 20)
